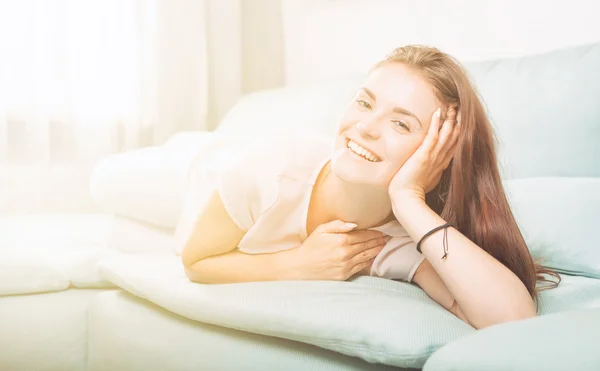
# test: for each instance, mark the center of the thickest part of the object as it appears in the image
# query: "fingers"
(366, 255)
(363, 260)
(336, 226)
(447, 129)
(448, 136)
(360, 248)
(364, 266)
(361, 236)
(433, 132)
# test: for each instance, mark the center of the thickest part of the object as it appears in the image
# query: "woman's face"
(385, 123)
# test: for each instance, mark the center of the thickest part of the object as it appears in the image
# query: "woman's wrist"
(404, 203)
(291, 266)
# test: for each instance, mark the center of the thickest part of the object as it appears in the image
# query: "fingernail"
(350, 225)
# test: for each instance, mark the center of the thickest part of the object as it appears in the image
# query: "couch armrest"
(561, 341)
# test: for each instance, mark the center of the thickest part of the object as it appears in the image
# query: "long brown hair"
(470, 194)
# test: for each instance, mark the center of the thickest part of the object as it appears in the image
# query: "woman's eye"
(363, 103)
(401, 124)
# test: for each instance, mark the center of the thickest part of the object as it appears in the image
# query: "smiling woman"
(409, 190)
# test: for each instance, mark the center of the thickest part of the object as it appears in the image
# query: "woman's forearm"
(485, 290)
(235, 267)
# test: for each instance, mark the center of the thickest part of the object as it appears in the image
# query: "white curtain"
(82, 79)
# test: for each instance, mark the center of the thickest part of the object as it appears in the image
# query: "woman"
(412, 168)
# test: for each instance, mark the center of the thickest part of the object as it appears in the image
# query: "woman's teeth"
(362, 152)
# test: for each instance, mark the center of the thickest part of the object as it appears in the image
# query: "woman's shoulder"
(254, 182)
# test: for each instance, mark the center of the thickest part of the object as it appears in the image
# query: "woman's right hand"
(334, 251)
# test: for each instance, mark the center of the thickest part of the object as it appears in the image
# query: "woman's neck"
(367, 206)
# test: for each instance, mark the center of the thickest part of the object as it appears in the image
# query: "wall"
(329, 38)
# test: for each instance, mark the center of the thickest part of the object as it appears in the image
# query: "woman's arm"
(431, 282)
(209, 255)
(485, 291)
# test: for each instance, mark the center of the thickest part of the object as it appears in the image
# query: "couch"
(108, 291)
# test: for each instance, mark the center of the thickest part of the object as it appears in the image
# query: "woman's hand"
(423, 170)
(334, 251)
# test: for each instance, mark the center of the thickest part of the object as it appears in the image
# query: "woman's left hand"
(423, 170)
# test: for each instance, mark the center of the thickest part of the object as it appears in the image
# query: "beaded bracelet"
(445, 241)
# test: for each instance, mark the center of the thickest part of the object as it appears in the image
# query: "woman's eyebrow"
(400, 110)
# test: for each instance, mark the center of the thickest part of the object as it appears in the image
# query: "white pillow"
(378, 320)
(148, 184)
(315, 107)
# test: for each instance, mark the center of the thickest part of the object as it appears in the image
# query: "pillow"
(559, 218)
(316, 107)
(545, 111)
(148, 184)
(563, 341)
(378, 320)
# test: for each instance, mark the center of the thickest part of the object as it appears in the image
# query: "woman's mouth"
(362, 152)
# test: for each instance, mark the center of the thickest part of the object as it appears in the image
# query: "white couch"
(108, 292)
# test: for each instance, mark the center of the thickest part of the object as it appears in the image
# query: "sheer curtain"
(82, 79)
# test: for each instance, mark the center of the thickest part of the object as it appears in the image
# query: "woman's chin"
(351, 172)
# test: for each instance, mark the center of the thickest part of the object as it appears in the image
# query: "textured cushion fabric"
(563, 337)
(45, 332)
(559, 218)
(129, 334)
(545, 111)
(378, 320)
(358, 318)
(557, 342)
(572, 293)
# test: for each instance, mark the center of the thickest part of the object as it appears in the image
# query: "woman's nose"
(368, 129)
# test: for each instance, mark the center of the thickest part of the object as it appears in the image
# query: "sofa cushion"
(127, 333)
(315, 107)
(45, 332)
(34, 270)
(52, 252)
(559, 219)
(545, 111)
(378, 320)
(558, 342)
